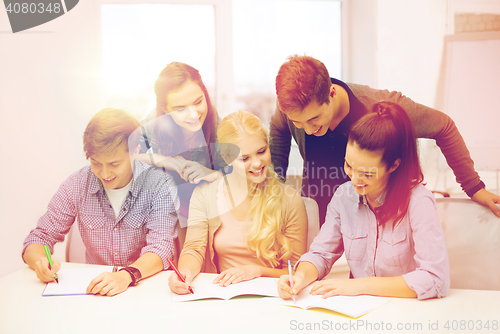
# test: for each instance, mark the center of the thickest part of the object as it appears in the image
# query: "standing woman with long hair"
(384, 220)
(180, 134)
(247, 224)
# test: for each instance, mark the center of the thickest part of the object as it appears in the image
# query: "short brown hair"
(300, 80)
(108, 129)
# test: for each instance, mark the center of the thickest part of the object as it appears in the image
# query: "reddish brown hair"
(300, 80)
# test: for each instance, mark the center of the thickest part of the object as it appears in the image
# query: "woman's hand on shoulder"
(195, 172)
(171, 163)
(175, 163)
(238, 274)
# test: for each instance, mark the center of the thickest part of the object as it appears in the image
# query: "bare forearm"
(189, 263)
(153, 159)
(33, 254)
(308, 272)
(148, 264)
(386, 286)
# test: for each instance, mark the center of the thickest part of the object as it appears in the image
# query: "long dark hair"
(168, 133)
(388, 128)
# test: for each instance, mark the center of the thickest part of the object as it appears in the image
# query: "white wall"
(361, 34)
(410, 45)
(409, 57)
(47, 96)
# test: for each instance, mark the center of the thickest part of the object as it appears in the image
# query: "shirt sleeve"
(328, 246)
(431, 278)
(162, 221)
(57, 221)
(280, 141)
(296, 224)
(431, 123)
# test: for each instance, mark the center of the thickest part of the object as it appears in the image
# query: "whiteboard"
(472, 93)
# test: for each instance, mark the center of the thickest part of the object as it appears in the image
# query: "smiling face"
(317, 118)
(188, 107)
(368, 173)
(114, 169)
(254, 159)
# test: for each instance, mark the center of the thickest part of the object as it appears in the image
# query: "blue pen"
(47, 252)
(291, 278)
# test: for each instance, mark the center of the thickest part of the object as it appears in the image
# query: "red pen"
(172, 264)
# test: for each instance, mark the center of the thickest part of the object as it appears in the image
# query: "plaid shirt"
(146, 222)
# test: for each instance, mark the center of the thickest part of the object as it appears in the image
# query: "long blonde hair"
(267, 235)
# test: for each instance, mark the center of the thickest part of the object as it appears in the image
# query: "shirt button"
(373, 251)
(116, 253)
(115, 229)
(139, 225)
(352, 236)
(90, 226)
(371, 271)
(439, 285)
(124, 209)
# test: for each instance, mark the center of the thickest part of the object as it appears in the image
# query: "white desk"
(147, 308)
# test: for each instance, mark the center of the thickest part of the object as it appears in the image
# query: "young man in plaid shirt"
(125, 209)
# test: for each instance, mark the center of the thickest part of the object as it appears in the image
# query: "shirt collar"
(379, 200)
(356, 109)
(139, 168)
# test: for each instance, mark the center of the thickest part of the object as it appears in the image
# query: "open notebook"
(353, 306)
(204, 289)
(74, 281)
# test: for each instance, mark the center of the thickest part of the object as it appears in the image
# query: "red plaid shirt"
(147, 221)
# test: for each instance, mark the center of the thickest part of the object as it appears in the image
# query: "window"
(139, 40)
(266, 32)
(237, 45)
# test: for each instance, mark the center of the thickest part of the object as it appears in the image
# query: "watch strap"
(135, 274)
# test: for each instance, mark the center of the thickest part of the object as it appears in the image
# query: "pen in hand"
(172, 264)
(47, 253)
(291, 278)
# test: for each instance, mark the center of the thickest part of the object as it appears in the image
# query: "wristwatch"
(134, 273)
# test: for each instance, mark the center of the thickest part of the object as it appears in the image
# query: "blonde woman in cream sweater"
(247, 224)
